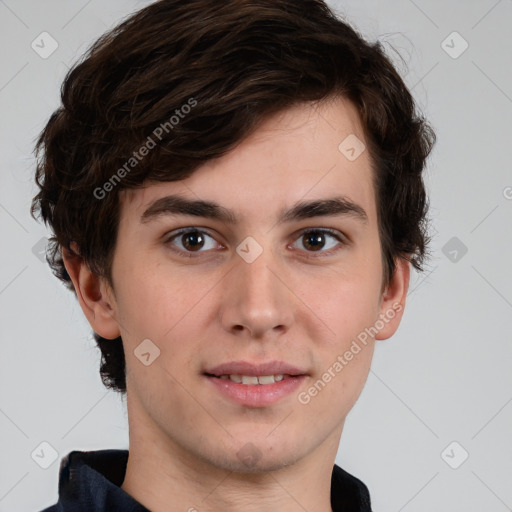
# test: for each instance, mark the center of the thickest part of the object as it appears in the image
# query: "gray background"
(444, 377)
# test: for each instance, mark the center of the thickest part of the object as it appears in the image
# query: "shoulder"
(348, 492)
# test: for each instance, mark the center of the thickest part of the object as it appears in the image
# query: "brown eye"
(316, 240)
(190, 241)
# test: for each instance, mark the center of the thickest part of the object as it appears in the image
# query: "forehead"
(304, 152)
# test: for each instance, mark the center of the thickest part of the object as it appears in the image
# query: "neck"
(164, 482)
(165, 477)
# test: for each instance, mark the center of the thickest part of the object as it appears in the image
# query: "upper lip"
(253, 369)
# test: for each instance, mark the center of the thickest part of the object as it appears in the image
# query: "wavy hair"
(240, 61)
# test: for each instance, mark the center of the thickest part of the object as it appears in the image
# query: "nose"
(257, 301)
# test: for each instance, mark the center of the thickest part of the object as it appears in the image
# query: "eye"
(315, 240)
(190, 240)
(193, 240)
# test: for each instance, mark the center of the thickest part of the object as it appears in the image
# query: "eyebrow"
(177, 205)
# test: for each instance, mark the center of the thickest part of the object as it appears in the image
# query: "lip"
(253, 369)
(256, 395)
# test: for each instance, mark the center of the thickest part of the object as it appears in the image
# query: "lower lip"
(257, 395)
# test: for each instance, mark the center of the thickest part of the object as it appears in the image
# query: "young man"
(236, 194)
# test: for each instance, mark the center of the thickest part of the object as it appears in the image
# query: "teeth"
(252, 380)
(249, 380)
(265, 379)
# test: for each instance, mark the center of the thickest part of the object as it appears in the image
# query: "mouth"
(253, 380)
(279, 369)
(255, 385)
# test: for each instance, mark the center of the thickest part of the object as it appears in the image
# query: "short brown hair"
(233, 63)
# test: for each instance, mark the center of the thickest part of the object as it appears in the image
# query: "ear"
(393, 300)
(94, 295)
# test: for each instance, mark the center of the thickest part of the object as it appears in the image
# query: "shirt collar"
(91, 480)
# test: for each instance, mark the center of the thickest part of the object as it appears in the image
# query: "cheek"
(348, 306)
(345, 357)
(149, 304)
(347, 302)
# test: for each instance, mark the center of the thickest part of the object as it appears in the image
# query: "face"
(257, 287)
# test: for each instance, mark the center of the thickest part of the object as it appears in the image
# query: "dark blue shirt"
(90, 482)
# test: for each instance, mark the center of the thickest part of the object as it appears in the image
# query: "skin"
(185, 437)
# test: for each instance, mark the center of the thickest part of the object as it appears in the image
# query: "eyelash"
(312, 254)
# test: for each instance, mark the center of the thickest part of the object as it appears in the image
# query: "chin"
(256, 457)
(262, 466)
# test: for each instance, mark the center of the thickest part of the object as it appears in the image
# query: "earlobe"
(393, 300)
(97, 304)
